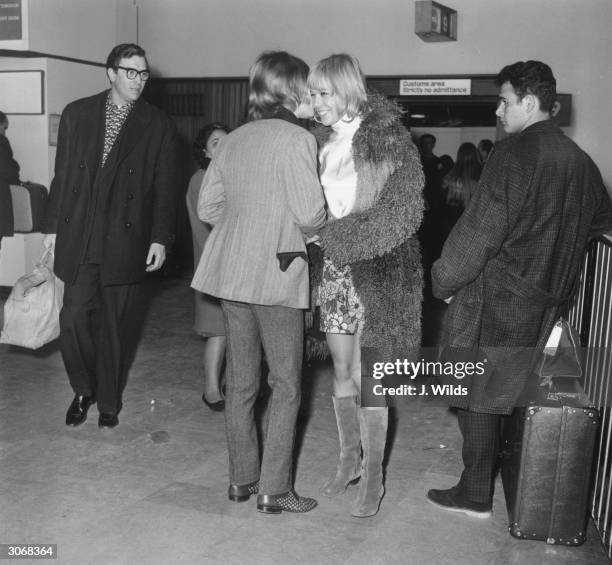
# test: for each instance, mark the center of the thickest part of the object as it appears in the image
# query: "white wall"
(27, 132)
(77, 29)
(80, 29)
(68, 81)
(193, 38)
(186, 38)
(29, 136)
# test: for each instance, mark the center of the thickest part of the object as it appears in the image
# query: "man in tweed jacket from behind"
(510, 264)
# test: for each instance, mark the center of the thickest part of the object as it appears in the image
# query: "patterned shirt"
(115, 118)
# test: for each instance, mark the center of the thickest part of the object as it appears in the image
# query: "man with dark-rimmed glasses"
(110, 217)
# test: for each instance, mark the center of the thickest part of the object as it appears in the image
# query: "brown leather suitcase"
(547, 459)
(29, 202)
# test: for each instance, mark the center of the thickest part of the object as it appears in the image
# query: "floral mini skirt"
(341, 310)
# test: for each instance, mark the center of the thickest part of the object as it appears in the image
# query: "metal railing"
(591, 316)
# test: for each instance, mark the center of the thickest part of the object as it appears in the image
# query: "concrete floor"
(154, 489)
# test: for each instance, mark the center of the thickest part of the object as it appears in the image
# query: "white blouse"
(337, 170)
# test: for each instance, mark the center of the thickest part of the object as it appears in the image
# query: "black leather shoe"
(77, 412)
(288, 501)
(107, 420)
(218, 406)
(241, 493)
(453, 499)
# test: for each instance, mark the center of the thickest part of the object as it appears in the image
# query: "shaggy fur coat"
(378, 238)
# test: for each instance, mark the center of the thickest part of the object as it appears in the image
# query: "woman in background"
(371, 289)
(485, 146)
(208, 315)
(459, 184)
(262, 194)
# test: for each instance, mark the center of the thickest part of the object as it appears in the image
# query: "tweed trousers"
(280, 330)
(481, 434)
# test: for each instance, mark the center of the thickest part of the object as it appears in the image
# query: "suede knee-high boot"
(373, 424)
(349, 462)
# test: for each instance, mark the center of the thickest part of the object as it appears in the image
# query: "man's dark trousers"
(93, 336)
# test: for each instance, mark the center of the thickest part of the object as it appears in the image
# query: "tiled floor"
(153, 490)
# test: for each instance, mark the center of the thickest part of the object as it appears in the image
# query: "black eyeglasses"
(133, 73)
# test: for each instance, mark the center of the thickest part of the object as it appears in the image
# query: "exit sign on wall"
(11, 20)
(434, 22)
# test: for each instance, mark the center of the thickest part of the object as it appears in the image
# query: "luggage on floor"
(547, 458)
(29, 202)
(31, 312)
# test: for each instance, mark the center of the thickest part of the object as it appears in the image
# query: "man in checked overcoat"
(110, 216)
(509, 265)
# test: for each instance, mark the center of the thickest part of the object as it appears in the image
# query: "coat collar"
(542, 126)
(92, 125)
(281, 113)
(93, 120)
(133, 130)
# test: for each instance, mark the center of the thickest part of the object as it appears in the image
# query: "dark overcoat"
(137, 188)
(9, 174)
(512, 258)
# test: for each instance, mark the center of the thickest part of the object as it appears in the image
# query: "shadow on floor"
(154, 489)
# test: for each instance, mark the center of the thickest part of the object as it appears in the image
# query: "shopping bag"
(31, 312)
(562, 356)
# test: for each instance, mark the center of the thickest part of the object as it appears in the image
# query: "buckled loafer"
(107, 420)
(241, 493)
(77, 412)
(288, 502)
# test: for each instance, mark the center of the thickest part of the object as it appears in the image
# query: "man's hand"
(49, 241)
(156, 257)
(449, 299)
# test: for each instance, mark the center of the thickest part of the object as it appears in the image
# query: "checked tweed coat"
(513, 256)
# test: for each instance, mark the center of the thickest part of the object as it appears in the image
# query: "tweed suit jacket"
(137, 183)
(261, 193)
(512, 258)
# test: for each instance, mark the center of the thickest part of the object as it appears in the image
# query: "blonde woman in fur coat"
(371, 283)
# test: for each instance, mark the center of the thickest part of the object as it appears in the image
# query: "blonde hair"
(276, 79)
(343, 75)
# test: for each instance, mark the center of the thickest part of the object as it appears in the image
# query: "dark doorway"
(193, 103)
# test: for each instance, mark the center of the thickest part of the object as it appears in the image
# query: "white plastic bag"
(31, 312)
